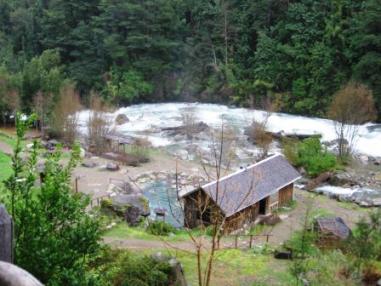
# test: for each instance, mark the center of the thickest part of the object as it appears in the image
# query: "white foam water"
(147, 119)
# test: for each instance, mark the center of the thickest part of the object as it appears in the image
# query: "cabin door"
(263, 206)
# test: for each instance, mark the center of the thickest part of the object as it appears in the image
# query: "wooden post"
(251, 240)
(76, 184)
(236, 241)
(267, 238)
(6, 236)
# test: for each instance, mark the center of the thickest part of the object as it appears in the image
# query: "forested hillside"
(295, 52)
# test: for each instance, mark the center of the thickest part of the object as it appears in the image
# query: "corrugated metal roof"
(246, 187)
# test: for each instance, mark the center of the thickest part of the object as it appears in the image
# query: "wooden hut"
(241, 197)
(331, 231)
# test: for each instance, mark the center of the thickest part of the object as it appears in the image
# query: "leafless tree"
(188, 119)
(42, 103)
(215, 224)
(258, 133)
(352, 105)
(64, 118)
(98, 126)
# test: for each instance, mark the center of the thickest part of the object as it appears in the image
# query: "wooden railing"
(95, 202)
(248, 238)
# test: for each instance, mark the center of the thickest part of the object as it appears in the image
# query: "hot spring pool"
(161, 195)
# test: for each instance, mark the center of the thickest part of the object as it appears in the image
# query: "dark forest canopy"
(297, 52)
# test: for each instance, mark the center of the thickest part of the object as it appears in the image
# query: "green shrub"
(106, 203)
(120, 268)
(302, 243)
(330, 269)
(310, 155)
(365, 243)
(160, 228)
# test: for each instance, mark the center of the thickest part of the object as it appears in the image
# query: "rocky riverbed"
(188, 131)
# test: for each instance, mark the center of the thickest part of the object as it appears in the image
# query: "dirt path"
(318, 204)
(147, 244)
(5, 148)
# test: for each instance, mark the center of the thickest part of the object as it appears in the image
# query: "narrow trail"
(137, 244)
(5, 148)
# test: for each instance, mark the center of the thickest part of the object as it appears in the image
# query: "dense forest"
(297, 53)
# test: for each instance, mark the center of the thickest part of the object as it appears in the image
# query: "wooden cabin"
(241, 197)
(331, 231)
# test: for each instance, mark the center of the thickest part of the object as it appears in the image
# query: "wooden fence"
(243, 240)
(96, 202)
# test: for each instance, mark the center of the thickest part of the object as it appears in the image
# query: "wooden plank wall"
(285, 195)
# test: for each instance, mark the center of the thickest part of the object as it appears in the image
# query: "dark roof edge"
(261, 198)
(188, 192)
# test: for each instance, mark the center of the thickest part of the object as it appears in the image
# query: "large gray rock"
(11, 275)
(132, 207)
(89, 164)
(112, 167)
(121, 119)
(343, 179)
(176, 275)
(6, 235)
(367, 197)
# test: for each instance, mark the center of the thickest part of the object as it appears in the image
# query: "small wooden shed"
(331, 231)
(241, 197)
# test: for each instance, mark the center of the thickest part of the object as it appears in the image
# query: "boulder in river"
(89, 164)
(187, 129)
(366, 197)
(121, 119)
(112, 167)
(342, 179)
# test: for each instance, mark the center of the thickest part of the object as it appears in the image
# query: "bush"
(119, 268)
(160, 228)
(330, 269)
(302, 244)
(106, 203)
(310, 155)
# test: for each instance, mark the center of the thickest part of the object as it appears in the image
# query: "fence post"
(76, 184)
(236, 241)
(6, 236)
(251, 240)
(267, 238)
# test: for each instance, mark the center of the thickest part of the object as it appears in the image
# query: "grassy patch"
(122, 230)
(8, 139)
(290, 206)
(235, 267)
(258, 229)
(5, 166)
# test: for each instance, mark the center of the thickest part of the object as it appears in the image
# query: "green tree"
(365, 243)
(54, 235)
(365, 49)
(127, 87)
(311, 155)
